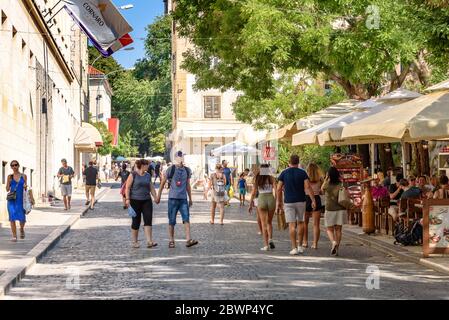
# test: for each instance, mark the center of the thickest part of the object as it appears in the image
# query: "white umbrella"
(332, 134)
(234, 148)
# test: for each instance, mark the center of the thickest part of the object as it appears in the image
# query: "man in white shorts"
(293, 183)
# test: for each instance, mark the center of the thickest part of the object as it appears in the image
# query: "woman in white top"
(265, 186)
(316, 181)
(217, 184)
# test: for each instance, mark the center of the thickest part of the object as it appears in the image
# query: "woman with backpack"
(16, 186)
(217, 184)
(265, 185)
(139, 189)
(123, 175)
(334, 214)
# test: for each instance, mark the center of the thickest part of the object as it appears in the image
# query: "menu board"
(350, 167)
(436, 226)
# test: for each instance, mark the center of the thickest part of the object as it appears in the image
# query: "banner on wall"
(113, 126)
(103, 24)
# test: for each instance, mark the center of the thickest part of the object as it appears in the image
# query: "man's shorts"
(294, 212)
(66, 190)
(91, 190)
(175, 205)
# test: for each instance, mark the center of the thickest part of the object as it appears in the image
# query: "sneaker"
(266, 248)
(271, 243)
(87, 203)
(334, 248)
(294, 252)
(300, 249)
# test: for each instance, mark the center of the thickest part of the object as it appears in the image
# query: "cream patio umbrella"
(332, 134)
(423, 118)
(310, 136)
(326, 114)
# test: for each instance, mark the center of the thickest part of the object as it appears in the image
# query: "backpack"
(171, 173)
(219, 187)
(407, 237)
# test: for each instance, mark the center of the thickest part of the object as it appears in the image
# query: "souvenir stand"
(350, 167)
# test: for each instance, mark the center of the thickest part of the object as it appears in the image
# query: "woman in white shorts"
(217, 183)
(334, 214)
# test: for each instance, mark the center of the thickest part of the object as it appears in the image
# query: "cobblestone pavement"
(227, 264)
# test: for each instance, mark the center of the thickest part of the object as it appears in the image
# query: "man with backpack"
(178, 178)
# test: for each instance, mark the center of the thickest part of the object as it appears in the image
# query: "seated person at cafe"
(396, 192)
(387, 181)
(434, 183)
(410, 191)
(378, 191)
(443, 191)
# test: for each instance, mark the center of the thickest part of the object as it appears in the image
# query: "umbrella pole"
(404, 165)
(372, 158)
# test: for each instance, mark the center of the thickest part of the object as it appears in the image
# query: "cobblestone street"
(227, 264)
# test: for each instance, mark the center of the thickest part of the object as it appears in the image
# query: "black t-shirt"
(91, 174)
(124, 174)
(157, 169)
(393, 188)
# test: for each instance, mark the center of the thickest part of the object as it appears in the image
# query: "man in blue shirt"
(229, 179)
(293, 184)
(178, 177)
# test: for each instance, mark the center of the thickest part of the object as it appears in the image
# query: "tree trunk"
(386, 158)
(363, 151)
(422, 160)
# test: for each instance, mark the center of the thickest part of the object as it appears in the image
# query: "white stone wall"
(19, 108)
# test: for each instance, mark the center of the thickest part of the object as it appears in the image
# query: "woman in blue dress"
(16, 182)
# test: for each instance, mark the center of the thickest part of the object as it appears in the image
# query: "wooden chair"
(412, 211)
(384, 217)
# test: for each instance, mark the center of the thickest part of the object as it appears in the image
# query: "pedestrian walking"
(92, 178)
(178, 179)
(229, 181)
(65, 174)
(242, 189)
(334, 214)
(206, 188)
(265, 186)
(84, 177)
(316, 181)
(123, 175)
(106, 172)
(217, 184)
(16, 185)
(292, 187)
(139, 189)
(157, 172)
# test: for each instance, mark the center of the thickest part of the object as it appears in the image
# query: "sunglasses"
(14, 165)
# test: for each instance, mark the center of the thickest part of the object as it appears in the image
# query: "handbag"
(282, 224)
(12, 195)
(131, 212)
(344, 198)
(99, 184)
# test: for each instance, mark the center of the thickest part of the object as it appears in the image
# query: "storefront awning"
(88, 138)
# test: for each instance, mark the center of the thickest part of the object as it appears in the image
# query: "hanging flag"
(103, 24)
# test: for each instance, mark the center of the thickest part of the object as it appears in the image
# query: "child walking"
(242, 189)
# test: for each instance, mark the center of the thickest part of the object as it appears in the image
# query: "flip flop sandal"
(13, 239)
(151, 245)
(136, 245)
(171, 244)
(191, 243)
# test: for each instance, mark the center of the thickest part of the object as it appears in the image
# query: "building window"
(212, 107)
(4, 163)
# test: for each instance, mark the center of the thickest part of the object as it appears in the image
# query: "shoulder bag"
(12, 195)
(344, 199)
